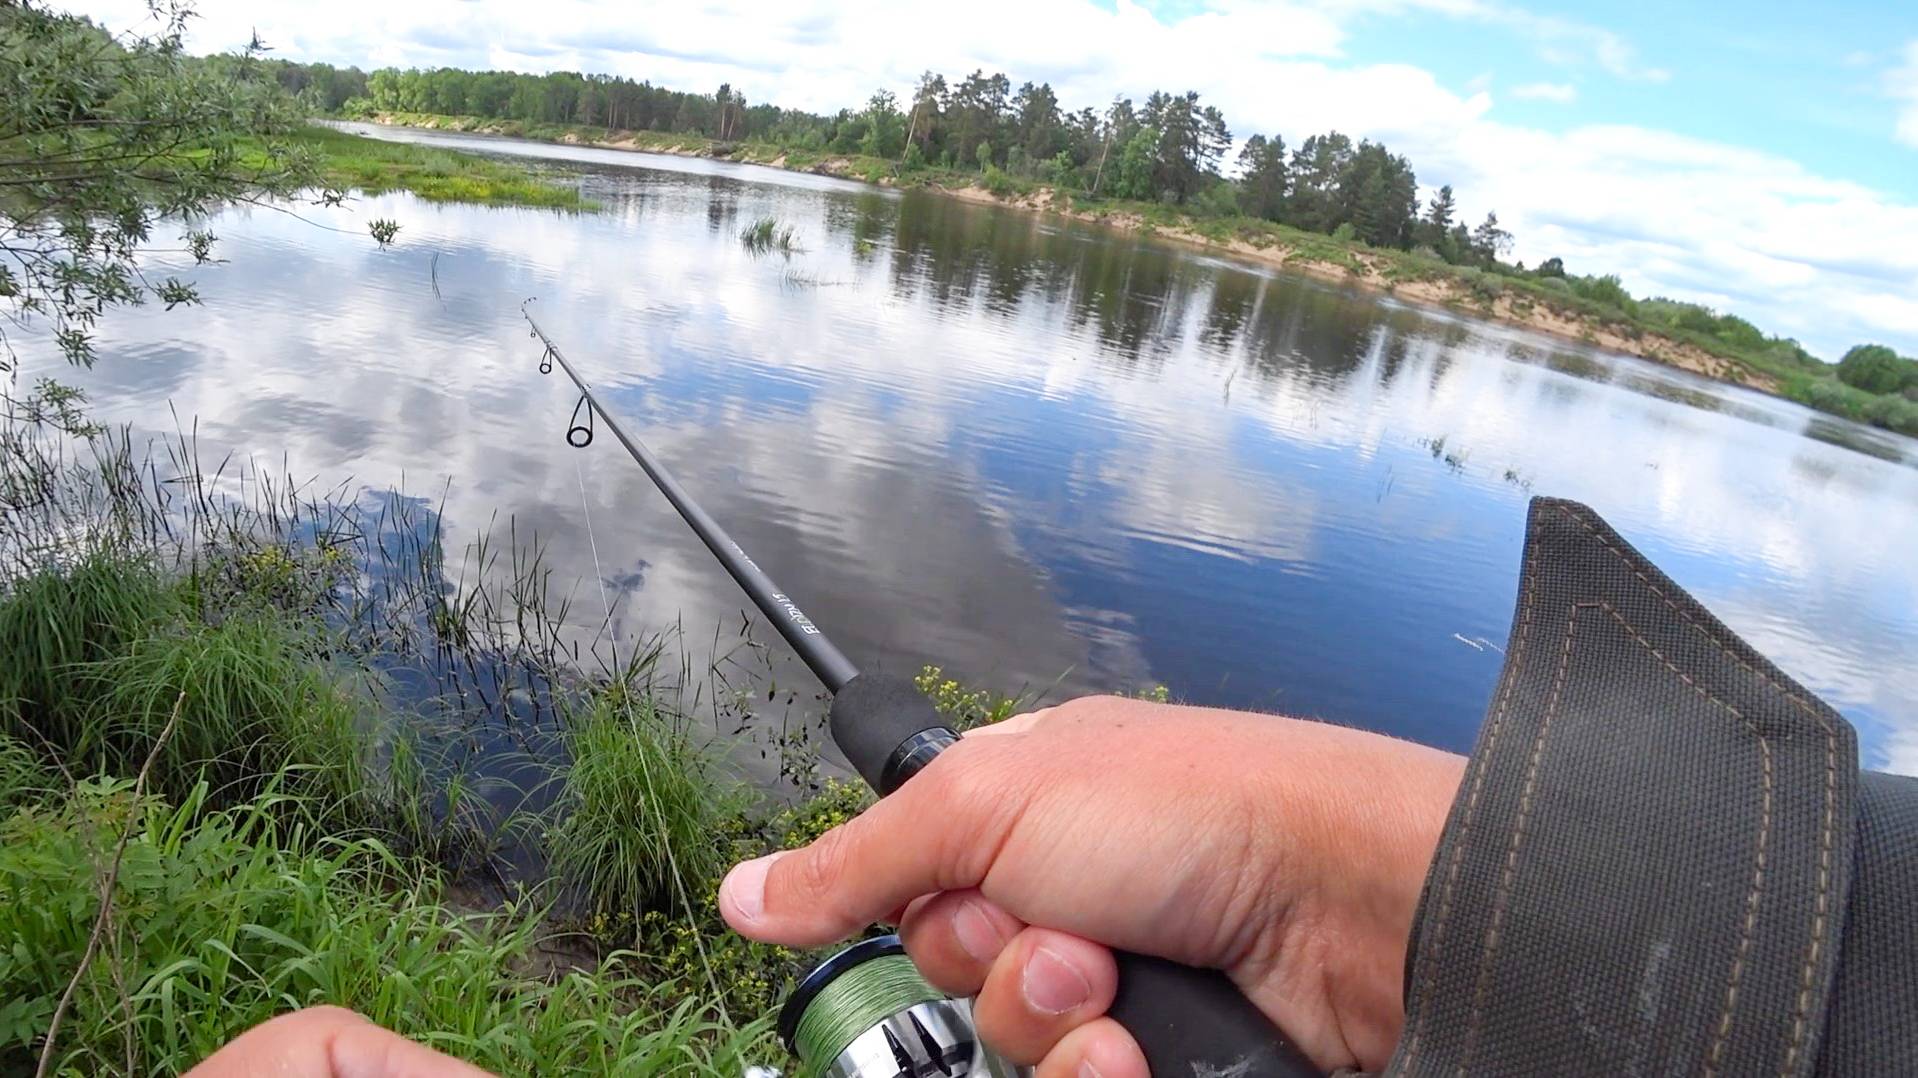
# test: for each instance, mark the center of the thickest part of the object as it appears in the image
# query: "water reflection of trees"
(1860, 439)
(1142, 302)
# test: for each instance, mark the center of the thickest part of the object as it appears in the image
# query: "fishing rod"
(864, 1012)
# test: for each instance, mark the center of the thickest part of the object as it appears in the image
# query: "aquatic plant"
(768, 234)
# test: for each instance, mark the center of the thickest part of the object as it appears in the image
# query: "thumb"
(936, 833)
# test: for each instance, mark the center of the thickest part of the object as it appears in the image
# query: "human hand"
(1289, 854)
(328, 1042)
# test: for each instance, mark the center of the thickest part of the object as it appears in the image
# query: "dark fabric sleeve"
(1872, 1027)
(1650, 865)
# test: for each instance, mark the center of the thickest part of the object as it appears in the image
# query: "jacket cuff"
(1647, 866)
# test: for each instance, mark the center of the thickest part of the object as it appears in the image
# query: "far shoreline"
(1316, 256)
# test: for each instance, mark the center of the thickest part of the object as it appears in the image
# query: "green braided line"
(853, 1003)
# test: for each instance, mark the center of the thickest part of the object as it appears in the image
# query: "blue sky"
(1761, 157)
(1805, 81)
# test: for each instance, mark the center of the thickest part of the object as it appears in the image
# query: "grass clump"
(767, 234)
(644, 810)
(23, 776)
(56, 623)
(258, 707)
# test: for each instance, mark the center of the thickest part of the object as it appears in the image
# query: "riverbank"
(215, 718)
(1590, 311)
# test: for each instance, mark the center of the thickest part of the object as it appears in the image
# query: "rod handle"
(1188, 1021)
(1192, 1021)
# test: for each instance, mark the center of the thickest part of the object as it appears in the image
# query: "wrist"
(1361, 815)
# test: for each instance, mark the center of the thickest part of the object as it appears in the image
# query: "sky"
(1761, 158)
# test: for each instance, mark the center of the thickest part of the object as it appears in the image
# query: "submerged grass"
(767, 234)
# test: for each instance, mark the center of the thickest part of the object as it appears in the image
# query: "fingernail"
(1087, 1070)
(1052, 985)
(745, 886)
(977, 931)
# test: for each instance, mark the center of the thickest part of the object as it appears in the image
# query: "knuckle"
(817, 873)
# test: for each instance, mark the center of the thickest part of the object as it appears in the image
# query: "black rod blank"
(820, 655)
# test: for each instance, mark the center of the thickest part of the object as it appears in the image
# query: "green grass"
(55, 623)
(258, 704)
(24, 776)
(307, 836)
(375, 166)
(645, 810)
(223, 919)
(99, 653)
(261, 876)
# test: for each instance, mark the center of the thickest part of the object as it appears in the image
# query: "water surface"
(1036, 453)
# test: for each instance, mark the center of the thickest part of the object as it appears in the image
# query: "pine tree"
(1263, 179)
(1490, 241)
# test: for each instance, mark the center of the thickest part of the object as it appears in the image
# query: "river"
(1036, 453)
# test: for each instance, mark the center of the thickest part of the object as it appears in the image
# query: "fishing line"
(645, 768)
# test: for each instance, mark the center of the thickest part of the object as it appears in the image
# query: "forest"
(1169, 148)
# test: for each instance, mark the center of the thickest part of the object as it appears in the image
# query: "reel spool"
(866, 1013)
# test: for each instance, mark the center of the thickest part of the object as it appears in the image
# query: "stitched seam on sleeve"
(1821, 908)
(1502, 897)
(1717, 1052)
(1429, 948)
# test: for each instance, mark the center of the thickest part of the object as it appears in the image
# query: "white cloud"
(1903, 84)
(1825, 260)
(1557, 39)
(1563, 93)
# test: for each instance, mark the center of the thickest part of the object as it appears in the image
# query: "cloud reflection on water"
(1022, 448)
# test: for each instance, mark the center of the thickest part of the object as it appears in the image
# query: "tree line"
(1169, 148)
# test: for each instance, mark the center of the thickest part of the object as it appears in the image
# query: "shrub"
(1218, 200)
(1607, 290)
(998, 182)
(1875, 368)
(1345, 233)
(1062, 173)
